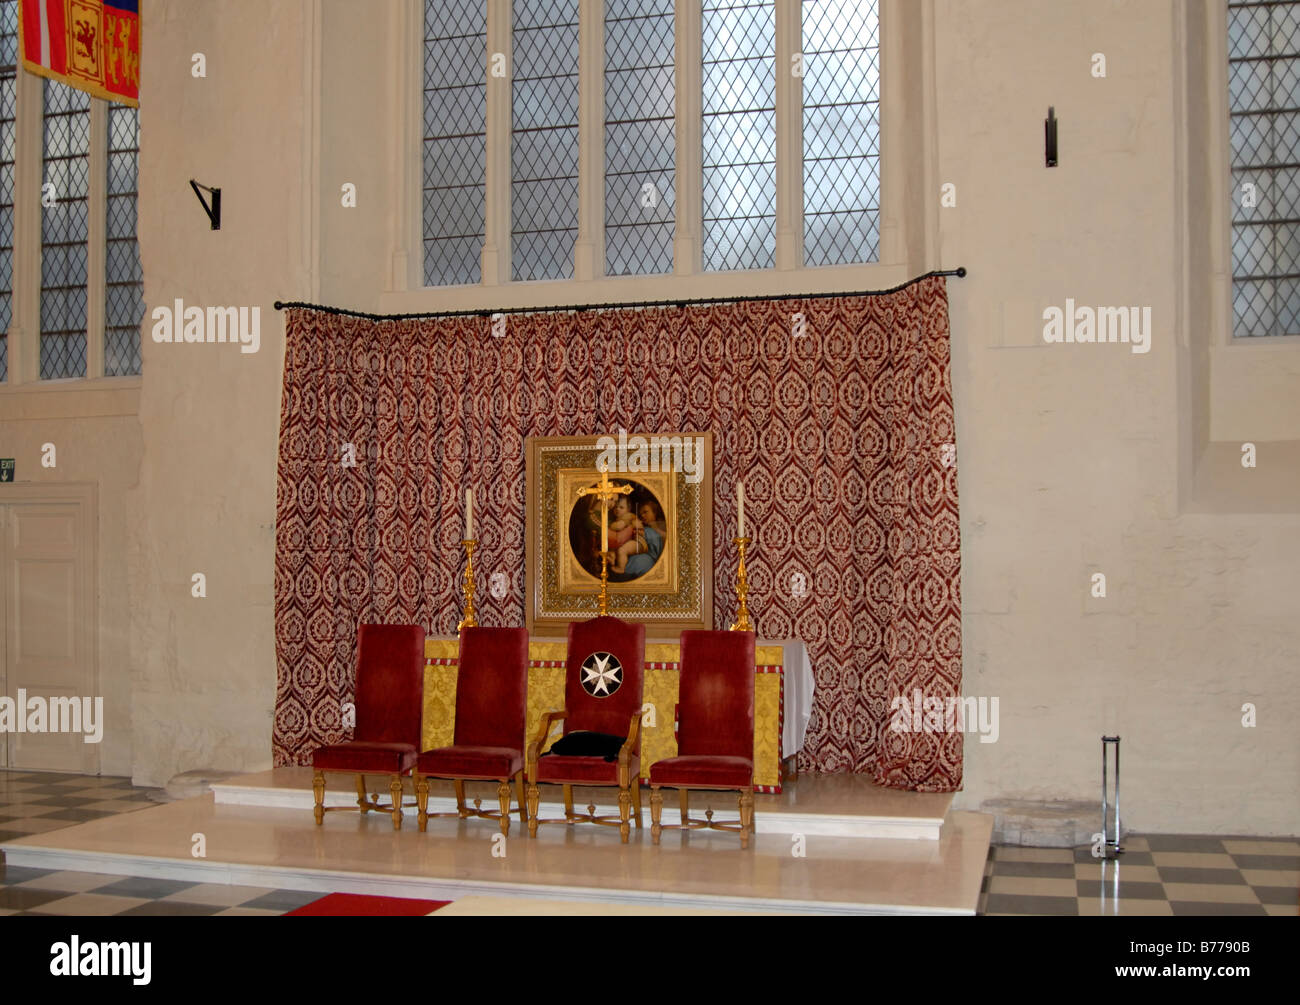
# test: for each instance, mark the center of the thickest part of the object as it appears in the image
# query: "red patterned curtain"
(841, 428)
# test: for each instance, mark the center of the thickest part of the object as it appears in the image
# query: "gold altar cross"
(605, 493)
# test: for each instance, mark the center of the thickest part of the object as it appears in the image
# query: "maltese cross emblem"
(602, 674)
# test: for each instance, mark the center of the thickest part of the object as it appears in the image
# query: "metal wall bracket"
(213, 209)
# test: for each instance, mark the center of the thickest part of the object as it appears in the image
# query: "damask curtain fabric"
(840, 424)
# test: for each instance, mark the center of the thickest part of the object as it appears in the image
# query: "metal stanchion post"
(1110, 848)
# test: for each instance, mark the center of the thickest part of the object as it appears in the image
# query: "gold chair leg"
(624, 809)
(684, 796)
(395, 787)
(459, 785)
(318, 789)
(636, 799)
(568, 803)
(533, 797)
(361, 795)
(422, 801)
(746, 816)
(503, 794)
(523, 807)
(656, 812)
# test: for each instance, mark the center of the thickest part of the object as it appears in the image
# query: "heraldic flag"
(92, 45)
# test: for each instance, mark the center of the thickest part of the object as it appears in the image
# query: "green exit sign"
(6, 469)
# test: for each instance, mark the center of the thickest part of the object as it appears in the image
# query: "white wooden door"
(46, 564)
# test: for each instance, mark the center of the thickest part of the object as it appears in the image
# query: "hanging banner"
(92, 45)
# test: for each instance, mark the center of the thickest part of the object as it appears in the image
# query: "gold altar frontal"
(546, 692)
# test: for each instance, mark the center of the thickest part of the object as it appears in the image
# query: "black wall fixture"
(1049, 128)
(214, 208)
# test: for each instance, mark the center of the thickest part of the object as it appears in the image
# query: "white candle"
(469, 514)
(740, 506)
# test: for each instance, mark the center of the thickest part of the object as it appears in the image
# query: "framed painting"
(659, 527)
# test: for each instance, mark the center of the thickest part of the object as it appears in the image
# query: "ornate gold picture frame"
(659, 531)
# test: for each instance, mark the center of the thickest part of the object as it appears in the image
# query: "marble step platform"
(282, 847)
(847, 806)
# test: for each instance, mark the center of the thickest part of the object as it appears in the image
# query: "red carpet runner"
(353, 905)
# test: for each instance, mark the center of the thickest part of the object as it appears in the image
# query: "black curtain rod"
(281, 305)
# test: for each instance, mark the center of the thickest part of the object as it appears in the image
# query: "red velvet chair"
(602, 698)
(715, 733)
(491, 720)
(389, 704)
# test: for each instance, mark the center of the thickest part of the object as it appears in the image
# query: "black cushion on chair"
(581, 743)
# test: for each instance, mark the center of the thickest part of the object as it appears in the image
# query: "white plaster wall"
(1068, 453)
(353, 254)
(204, 669)
(1255, 387)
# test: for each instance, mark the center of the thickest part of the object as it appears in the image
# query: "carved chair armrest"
(625, 751)
(633, 734)
(543, 730)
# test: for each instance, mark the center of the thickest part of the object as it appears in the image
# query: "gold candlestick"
(742, 623)
(469, 621)
(604, 583)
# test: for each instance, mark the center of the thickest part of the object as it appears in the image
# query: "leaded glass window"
(634, 47)
(739, 146)
(640, 144)
(841, 132)
(8, 113)
(123, 280)
(1264, 107)
(65, 222)
(455, 134)
(544, 139)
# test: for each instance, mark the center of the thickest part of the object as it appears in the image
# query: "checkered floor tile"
(1159, 874)
(33, 802)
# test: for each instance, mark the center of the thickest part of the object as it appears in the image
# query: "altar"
(783, 694)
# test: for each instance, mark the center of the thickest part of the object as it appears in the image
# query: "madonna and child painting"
(638, 532)
(656, 508)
